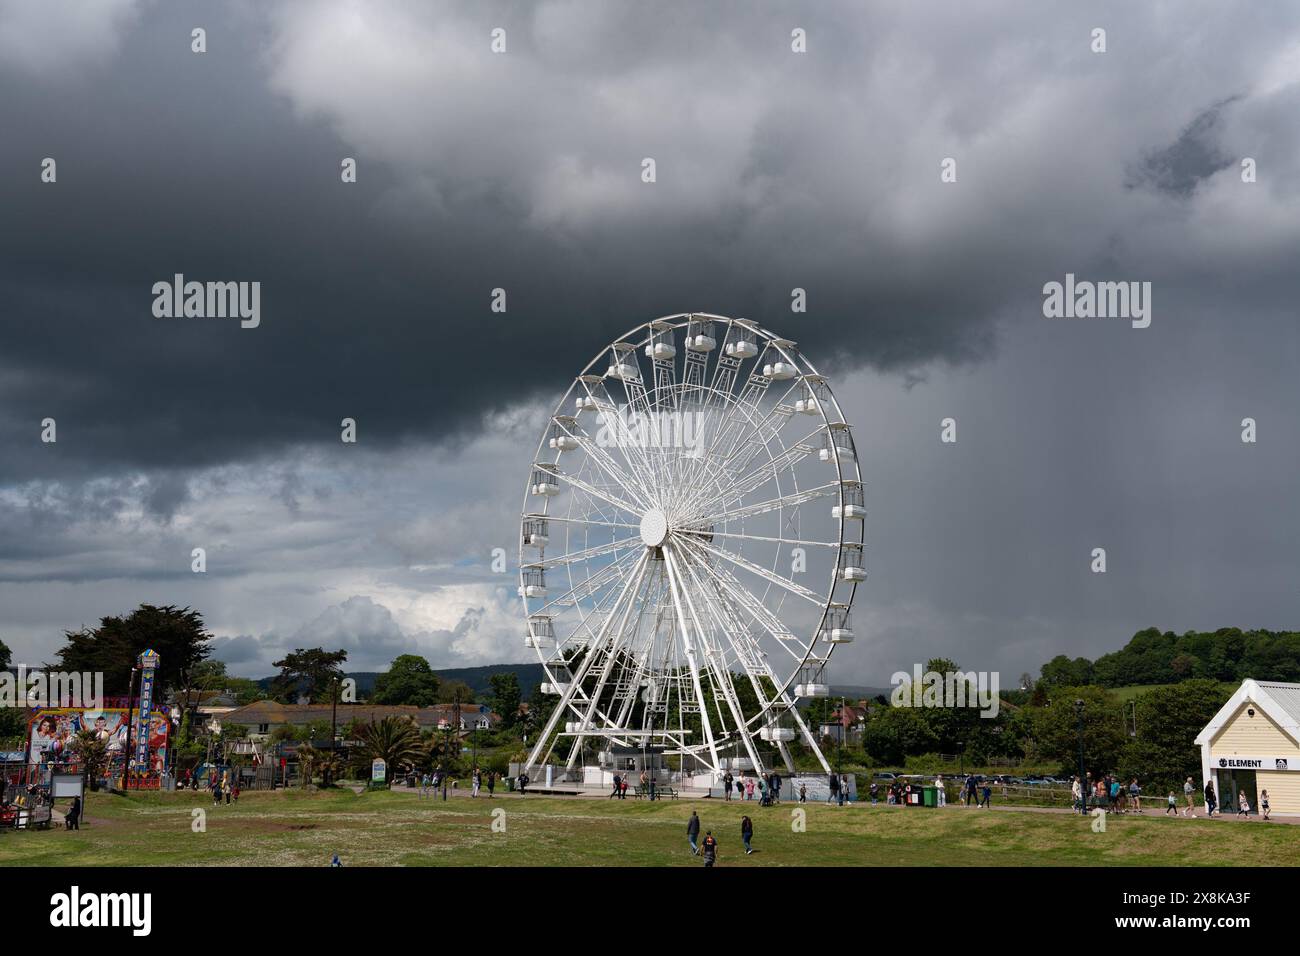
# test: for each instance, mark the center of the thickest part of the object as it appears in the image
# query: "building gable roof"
(1279, 702)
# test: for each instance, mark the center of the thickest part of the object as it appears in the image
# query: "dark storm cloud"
(1195, 156)
(521, 171)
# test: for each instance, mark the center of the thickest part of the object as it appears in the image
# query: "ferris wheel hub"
(654, 528)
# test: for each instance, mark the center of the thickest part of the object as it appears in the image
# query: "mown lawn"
(297, 828)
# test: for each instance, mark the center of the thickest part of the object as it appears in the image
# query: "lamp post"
(334, 707)
(1083, 787)
(130, 722)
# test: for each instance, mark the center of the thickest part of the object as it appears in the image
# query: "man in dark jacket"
(776, 787)
(693, 832)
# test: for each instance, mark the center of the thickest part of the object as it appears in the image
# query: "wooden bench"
(661, 790)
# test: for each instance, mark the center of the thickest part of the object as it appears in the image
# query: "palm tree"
(395, 740)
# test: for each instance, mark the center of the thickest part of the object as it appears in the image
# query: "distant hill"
(478, 678)
(1153, 657)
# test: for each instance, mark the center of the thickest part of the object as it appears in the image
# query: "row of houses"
(262, 718)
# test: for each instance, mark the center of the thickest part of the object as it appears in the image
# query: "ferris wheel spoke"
(621, 437)
(589, 553)
(762, 572)
(587, 587)
(595, 492)
(752, 606)
(772, 504)
(606, 463)
(747, 653)
(696, 533)
(569, 519)
(788, 458)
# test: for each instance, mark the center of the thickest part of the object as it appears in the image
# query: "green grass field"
(296, 828)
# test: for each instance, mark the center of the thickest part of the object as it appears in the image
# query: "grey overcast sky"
(522, 170)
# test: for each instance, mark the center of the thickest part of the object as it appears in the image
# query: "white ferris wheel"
(691, 544)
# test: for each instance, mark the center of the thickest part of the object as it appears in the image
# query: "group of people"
(767, 786)
(223, 786)
(431, 783)
(1111, 793)
(1243, 801)
(647, 786)
(1108, 791)
(708, 847)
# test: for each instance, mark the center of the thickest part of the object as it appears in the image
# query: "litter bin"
(931, 796)
(510, 784)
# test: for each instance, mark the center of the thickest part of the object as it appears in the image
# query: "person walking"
(844, 790)
(749, 788)
(234, 790)
(941, 794)
(523, 784)
(874, 790)
(1172, 806)
(803, 792)
(618, 783)
(1210, 799)
(478, 781)
(1188, 789)
(1263, 802)
(988, 792)
(693, 832)
(622, 790)
(73, 820)
(1243, 805)
(835, 788)
(726, 786)
(1135, 795)
(492, 781)
(776, 787)
(710, 849)
(1076, 794)
(747, 833)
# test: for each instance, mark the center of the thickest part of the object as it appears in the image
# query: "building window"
(263, 728)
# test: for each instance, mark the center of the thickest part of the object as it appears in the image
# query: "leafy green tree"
(92, 753)
(408, 680)
(1056, 732)
(1060, 671)
(177, 634)
(506, 697)
(13, 728)
(308, 672)
(891, 733)
(455, 692)
(5, 656)
(1162, 754)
